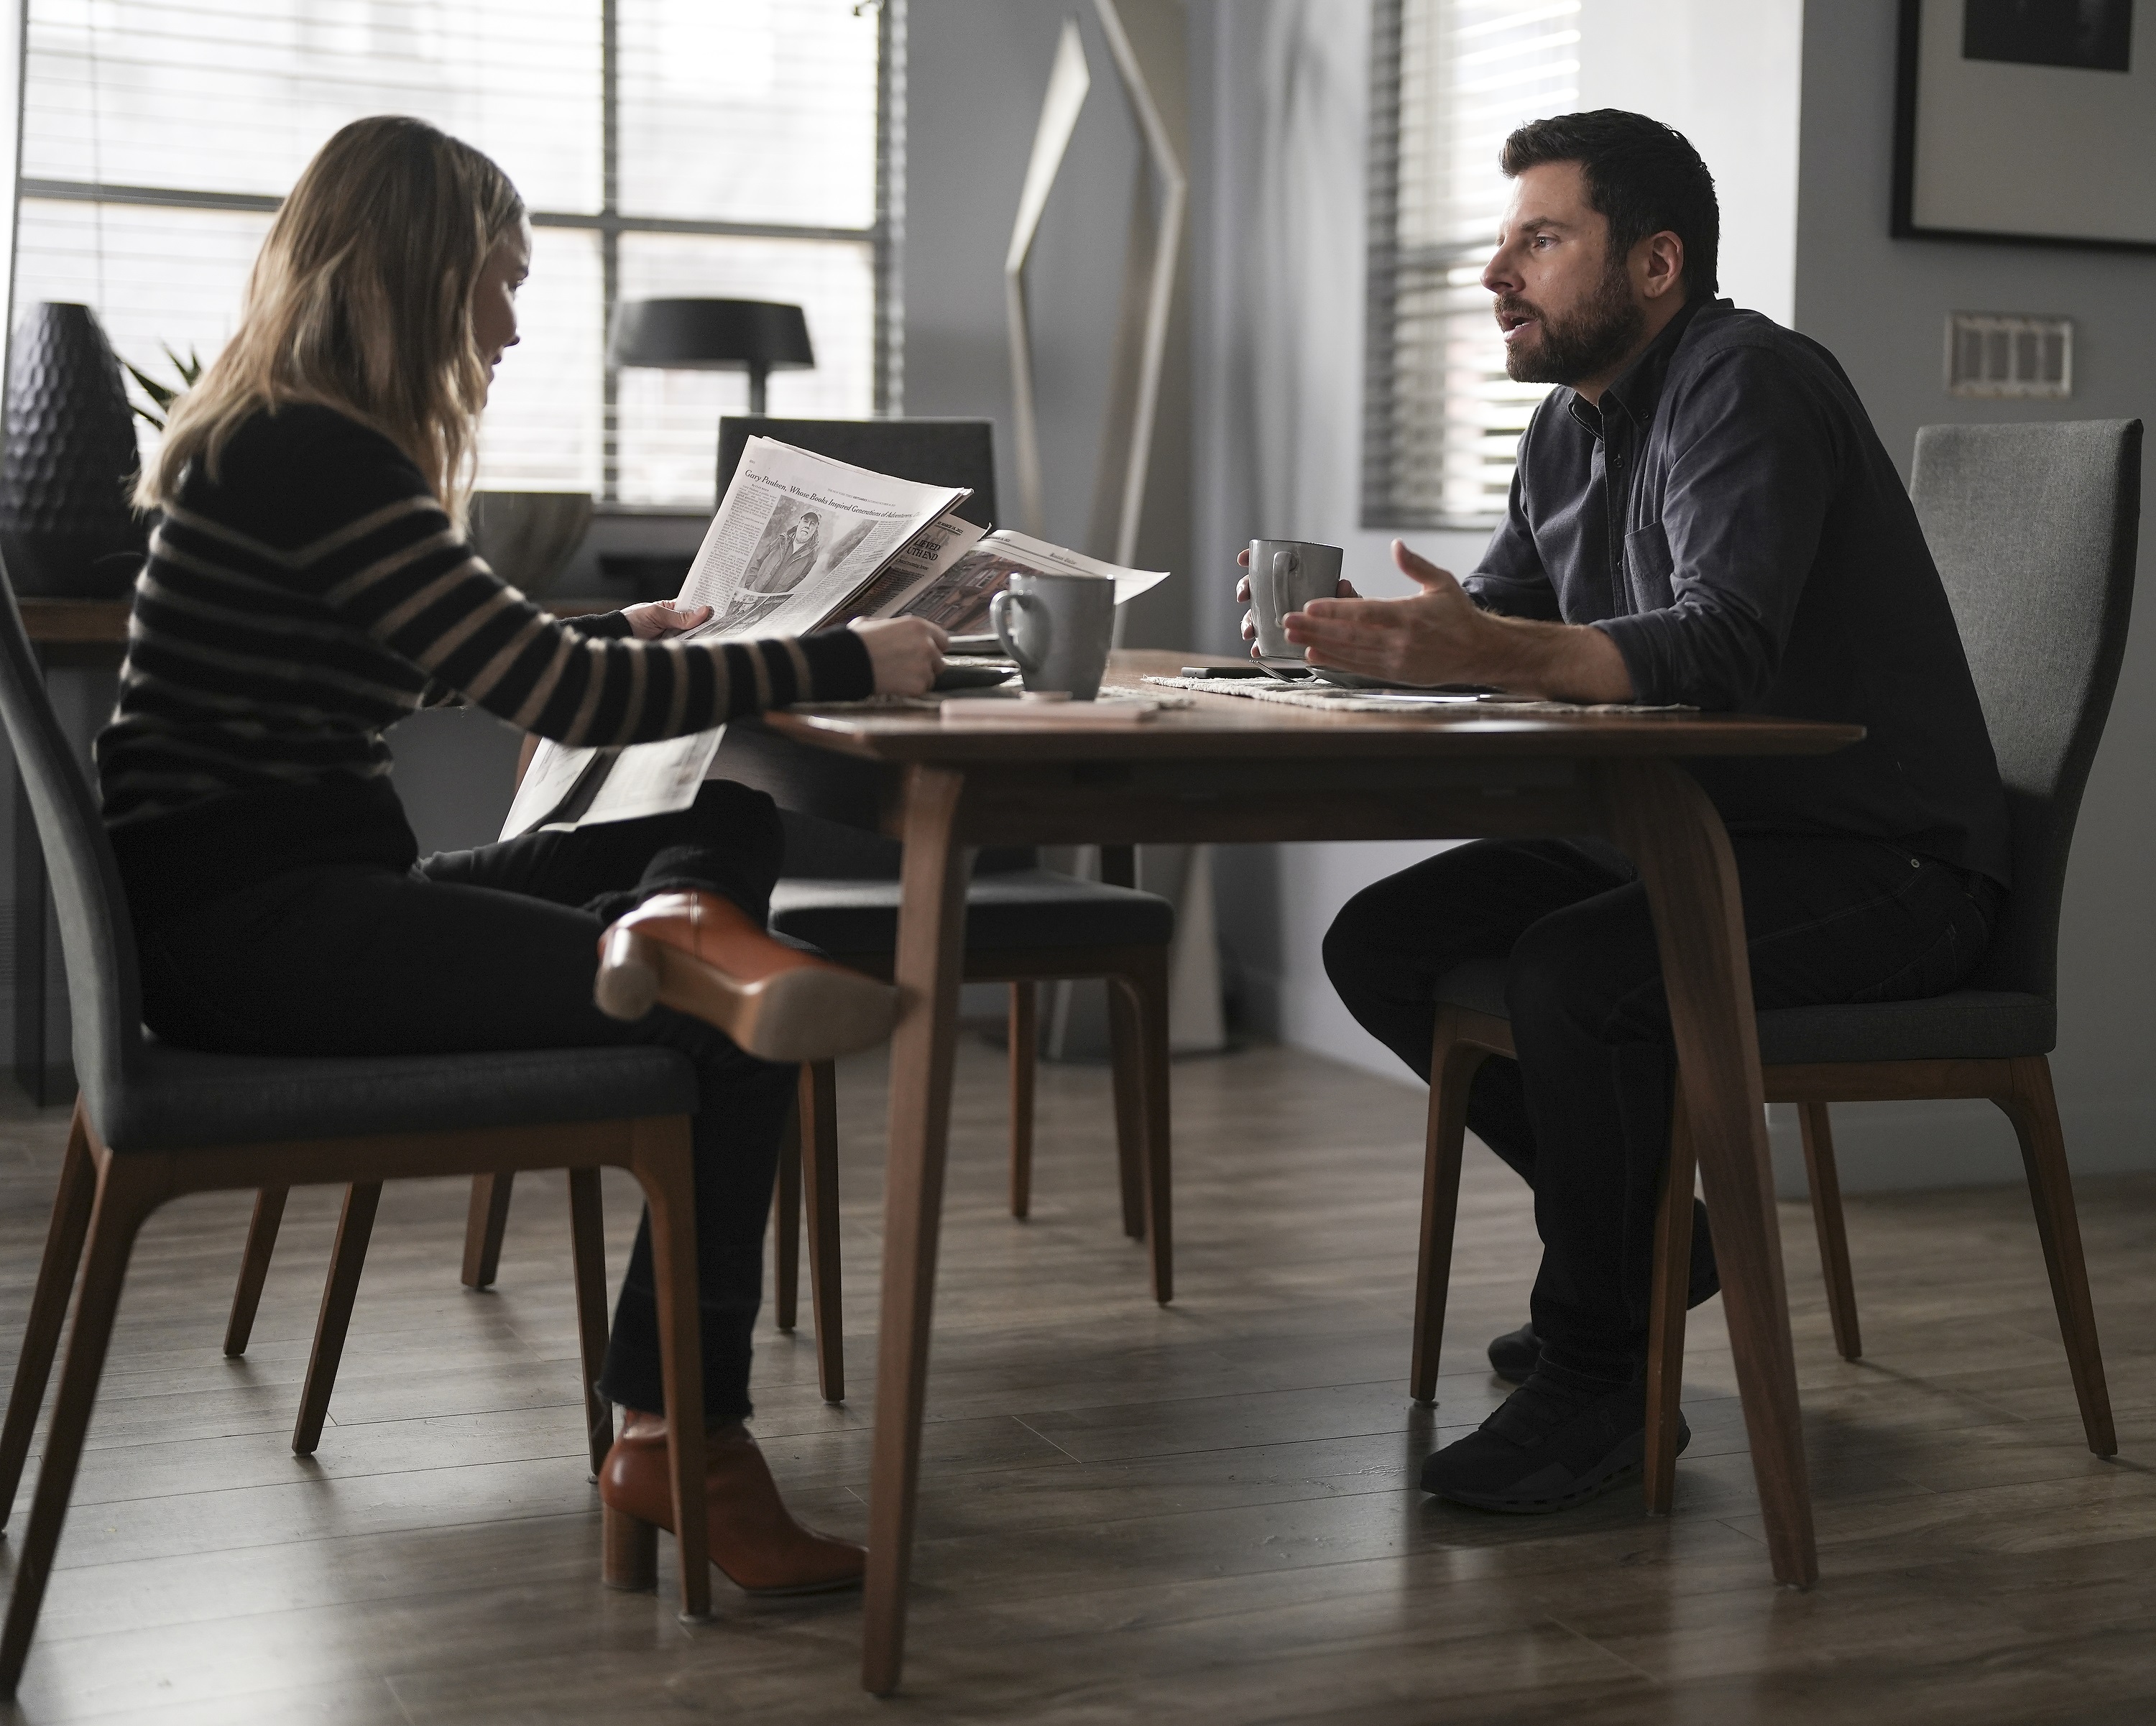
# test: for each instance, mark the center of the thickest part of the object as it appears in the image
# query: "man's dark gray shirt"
(1730, 519)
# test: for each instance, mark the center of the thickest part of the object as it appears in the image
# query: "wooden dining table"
(1228, 769)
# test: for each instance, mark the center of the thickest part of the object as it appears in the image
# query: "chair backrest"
(2034, 528)
(929, 451)
(105, 993)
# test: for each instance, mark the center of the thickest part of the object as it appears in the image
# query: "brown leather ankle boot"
(753, 1538)
(703, 954)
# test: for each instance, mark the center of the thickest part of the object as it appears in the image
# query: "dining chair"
(1024, 925)
(152, 1122)
(2034, 529)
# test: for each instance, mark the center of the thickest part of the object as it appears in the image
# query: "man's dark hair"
(1642, 175)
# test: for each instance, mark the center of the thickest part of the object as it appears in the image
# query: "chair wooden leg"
(484, 1225)
(2033, 1110)
(1127, 1056)
(1665, 1315)
(41, 1336)
(1147, 998)
(819, 1189)
(1826, 1218)
(254, 1267)
(1452, 1065)
(125, 1195)
(587, 1257)
(346, 1260)
(661, 1162)
(786, 1226)
(1025, 1064)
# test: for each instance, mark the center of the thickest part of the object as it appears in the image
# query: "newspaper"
(801, 542)
(796, 538)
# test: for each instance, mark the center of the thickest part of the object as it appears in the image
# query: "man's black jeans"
(495, 949)
(1584, 1115)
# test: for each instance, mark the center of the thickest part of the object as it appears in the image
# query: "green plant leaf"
(163, 395)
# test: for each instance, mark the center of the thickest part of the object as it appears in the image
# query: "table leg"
(932, 929)
(1657, 812)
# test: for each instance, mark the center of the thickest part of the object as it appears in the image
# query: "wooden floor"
(1206, 1513)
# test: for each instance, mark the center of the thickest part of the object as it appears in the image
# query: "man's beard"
(1605, 330)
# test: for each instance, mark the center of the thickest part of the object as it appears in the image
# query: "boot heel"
(630, 1547)
(627, 986)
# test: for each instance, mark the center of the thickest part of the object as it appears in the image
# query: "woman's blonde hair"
(361, 299)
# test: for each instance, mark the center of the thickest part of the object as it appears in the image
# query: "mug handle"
(1000, 619)
(1286, 566)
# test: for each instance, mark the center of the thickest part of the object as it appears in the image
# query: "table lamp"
(754, 335)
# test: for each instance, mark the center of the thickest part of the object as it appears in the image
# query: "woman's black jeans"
(1584, 1114)
(496, 949)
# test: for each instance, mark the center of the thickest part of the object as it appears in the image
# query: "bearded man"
(1703, 515)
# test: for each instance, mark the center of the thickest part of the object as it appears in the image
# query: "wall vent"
(1990, 355)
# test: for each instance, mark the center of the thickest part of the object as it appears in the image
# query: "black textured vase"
(66, 527)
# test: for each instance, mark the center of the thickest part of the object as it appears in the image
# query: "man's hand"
(1441, 636)
(1436, 637)
(663, 616)
(905, 652)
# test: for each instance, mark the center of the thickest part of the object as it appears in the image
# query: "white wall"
(977, 70)
(1880, 304)
(1280, 121)
(1726, 77)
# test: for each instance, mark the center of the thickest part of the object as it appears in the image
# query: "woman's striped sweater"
(292, 609)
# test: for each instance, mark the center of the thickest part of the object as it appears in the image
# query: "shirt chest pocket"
(1648, 567)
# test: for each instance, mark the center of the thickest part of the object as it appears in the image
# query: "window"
(1450, 78)
(738, 148)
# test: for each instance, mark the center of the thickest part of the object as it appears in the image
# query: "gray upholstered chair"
(1024, 925)
(153, 1121)
(2034, 528)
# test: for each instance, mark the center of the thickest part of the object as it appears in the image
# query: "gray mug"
(1058, 628)
(1286, 575)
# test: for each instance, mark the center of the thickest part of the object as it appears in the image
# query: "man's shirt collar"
(1638, 388)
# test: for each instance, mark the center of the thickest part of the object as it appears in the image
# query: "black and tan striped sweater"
(292, 611)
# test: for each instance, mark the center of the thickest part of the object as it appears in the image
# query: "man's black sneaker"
(1513, 1355)
(1544, 1449)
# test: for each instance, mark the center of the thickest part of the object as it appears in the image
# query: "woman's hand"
(663, 616)
(905, 652)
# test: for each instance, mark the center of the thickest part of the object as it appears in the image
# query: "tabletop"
(1230, 727)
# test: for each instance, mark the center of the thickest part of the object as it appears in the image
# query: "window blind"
(733, 148)
(1450, 79)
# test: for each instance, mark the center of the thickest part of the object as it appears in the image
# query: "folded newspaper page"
(801, 542)
(957, 596)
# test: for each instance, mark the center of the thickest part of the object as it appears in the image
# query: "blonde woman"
(308, 583)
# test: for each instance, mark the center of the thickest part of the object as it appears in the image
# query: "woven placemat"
(1330, 698)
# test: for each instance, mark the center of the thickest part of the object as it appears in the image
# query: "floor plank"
(1206, 1513)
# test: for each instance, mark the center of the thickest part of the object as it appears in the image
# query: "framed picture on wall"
(2027, 121)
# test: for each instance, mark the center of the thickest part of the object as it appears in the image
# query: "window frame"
(1391, 269)
(885, 236)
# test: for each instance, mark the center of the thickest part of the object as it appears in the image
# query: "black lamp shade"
(711, 335)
